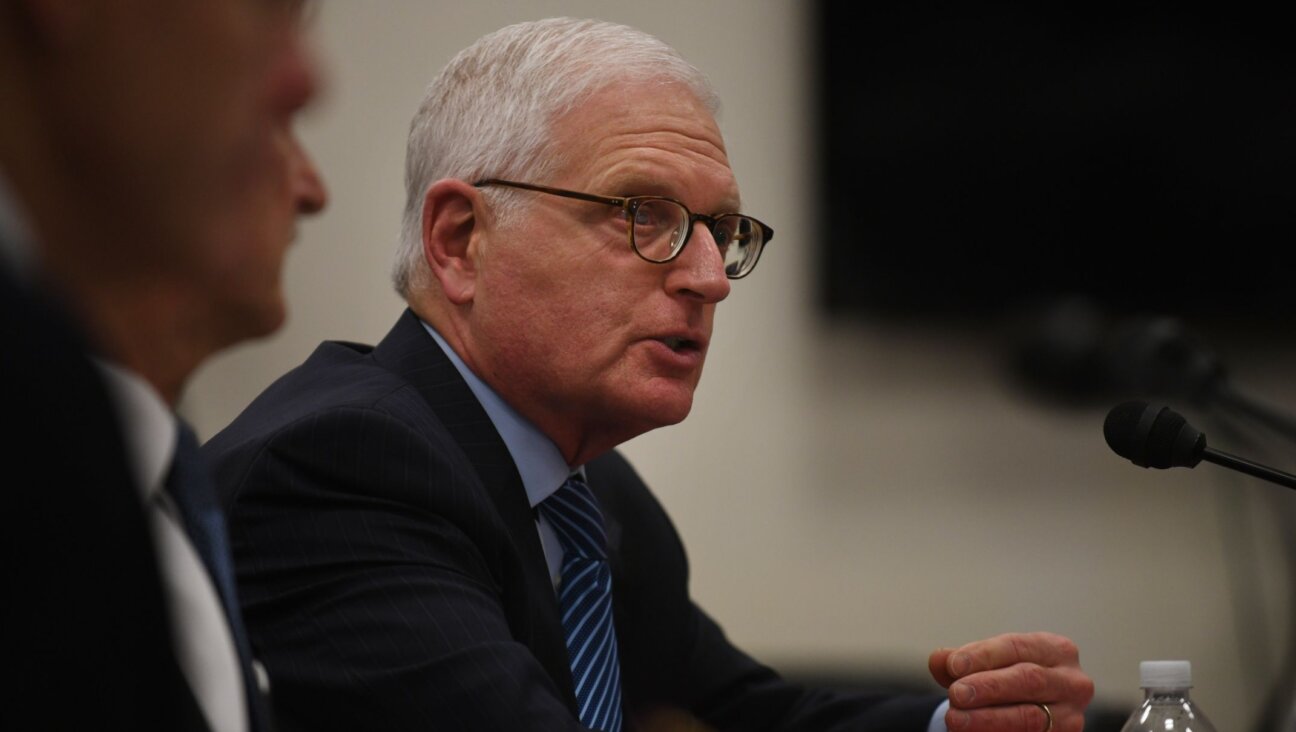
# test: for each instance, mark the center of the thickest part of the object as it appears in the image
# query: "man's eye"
(647, 216)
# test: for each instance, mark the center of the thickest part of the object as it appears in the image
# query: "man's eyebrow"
(641, 187)
(732, 205)
(656, 188)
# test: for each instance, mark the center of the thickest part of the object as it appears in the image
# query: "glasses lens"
(740, 239)
(658, 228)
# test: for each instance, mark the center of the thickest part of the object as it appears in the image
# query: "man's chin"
(668, 406)
(252, 320)
(268, 318)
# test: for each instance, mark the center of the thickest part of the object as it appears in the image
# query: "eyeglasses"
(659, 227)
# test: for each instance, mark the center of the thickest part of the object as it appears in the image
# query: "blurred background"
(992, 227)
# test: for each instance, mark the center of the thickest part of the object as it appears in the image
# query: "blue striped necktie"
(585, 598)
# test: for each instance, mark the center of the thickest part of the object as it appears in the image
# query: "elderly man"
(149, 185)
(436, 531)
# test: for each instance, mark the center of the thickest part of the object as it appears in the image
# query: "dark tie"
(190, 486)
(585, 598)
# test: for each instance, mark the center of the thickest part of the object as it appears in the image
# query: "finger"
(1044, 649)
(1024, 682)
(1015, 718)
(937, 664)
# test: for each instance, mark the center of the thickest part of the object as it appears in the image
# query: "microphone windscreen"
(1152, 436)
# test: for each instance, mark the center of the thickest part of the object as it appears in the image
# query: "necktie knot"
(574, 514)
(188, 482)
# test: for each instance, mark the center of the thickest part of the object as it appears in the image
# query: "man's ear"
(452, 224)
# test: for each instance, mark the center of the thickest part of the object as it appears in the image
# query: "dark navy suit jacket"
(84, 627)
(392, 577)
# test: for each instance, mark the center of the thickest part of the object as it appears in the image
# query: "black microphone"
(1155, 436)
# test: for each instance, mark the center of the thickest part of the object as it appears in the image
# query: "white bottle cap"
(1165, 674)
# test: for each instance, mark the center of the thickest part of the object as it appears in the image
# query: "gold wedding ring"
(1048, 725)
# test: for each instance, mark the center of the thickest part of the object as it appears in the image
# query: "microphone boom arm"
(1242, 465)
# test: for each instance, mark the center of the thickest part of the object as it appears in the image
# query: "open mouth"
(677, 344)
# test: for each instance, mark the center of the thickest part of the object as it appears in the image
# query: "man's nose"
(698, 271)
(309, 192)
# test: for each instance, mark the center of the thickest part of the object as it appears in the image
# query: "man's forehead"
(648, 139)
(705, 186)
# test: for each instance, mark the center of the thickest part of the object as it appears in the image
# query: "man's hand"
(1000, 684)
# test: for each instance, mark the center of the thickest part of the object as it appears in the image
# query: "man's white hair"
(490, 112)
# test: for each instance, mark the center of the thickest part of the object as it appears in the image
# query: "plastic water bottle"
(1166, 706)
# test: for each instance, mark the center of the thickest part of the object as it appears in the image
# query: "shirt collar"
(16, 248)
(539, 463)
(148, 425)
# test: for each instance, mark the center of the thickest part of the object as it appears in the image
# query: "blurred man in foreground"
(436, 531)
(149, 184)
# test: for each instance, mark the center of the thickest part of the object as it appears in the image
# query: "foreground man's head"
(142, 138)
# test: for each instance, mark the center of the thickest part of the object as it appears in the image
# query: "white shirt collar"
(149, 426)
(17, 249)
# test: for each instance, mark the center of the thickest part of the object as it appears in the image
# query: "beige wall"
(852, 496)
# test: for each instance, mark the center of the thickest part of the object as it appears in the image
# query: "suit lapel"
(410, 352)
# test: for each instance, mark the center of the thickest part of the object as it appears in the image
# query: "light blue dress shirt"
(543, 469)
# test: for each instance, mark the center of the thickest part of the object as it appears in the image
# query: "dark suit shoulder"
(336, 374)
(379, 576)
(342, 424)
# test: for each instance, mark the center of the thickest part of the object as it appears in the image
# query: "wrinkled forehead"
(647, 137)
